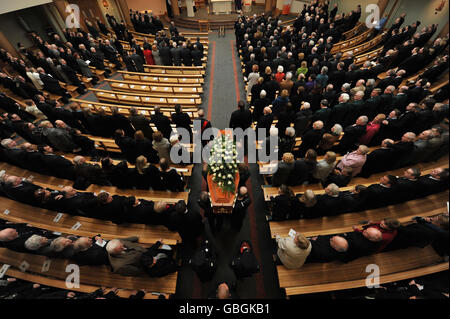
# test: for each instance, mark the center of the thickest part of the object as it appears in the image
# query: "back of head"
(301, 241)
(180, 207)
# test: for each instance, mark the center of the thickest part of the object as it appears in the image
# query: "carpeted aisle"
(223, 88)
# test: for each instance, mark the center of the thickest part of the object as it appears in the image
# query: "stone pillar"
(123, 7)
(443, 32)
(382, 4)
(175, 8)
(268, 6)
(5, 44)
(61, 7)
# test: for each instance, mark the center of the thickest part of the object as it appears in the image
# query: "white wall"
(9, 5)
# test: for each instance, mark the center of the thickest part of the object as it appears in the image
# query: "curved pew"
(90, 227)
(123, 109)
(166, 79)
(350, 43)
(61, 284)
(145, 99)
(89, 275)
(427, 206)
(138, 87)
(393, 265)
(57, 183)
(176, 70)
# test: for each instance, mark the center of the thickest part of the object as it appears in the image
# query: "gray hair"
(346, 86)
(333, 189)
(345, 97)
(263, 93)
(6, 142)
(57, 244)
(337, 129)
(34, 242)
(370, 82)
(112, 246)
(290, 131)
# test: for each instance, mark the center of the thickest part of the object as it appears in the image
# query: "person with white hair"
(329, 138)
(125, 256)
(264, 123)
(311, 138)
(37, 244)
(287, 83)
(260, 102)
(62, 246)
(322, 78)
(340, 111)
(287, 142)
(279, 76)
(352, 134)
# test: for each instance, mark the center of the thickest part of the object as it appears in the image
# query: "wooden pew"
(166, 79)
(177, 70)
(109, 145)
(395, 265)
(138, 87)
(359, 49)
(89, 275)
(90, 227)
(350, 43)
(124, 109)
(353, 32)
(61, 284)
(373, 179)
(360, 59)
(58, 183)
(427, 206)
(145, 99)
(185, 170)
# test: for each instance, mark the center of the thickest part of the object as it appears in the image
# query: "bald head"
(339, 244)
(267, 110)
(223, 292)
(8, 234)
(318, 125)
(243, 191)
(373, 234)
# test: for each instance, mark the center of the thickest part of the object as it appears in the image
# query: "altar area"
(207, 12)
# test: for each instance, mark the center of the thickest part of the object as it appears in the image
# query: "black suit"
(241, 119)
(23, 193)
(377, 161)
(182, 120)
(82, 203)
(59, 166)
(322, 252)
(310, 140)
(162, 123)
(172, 181)
(164, 264)
(94, 255)
(351, 136)
(141, 123)
(380, 196)
(239, 211)
(359, 246)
